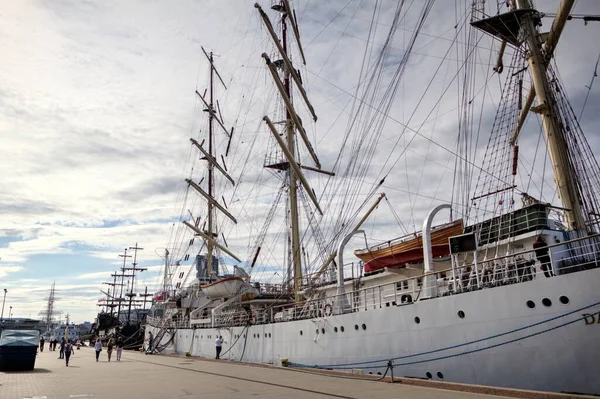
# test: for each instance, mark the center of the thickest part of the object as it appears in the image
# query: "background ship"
(122, 315)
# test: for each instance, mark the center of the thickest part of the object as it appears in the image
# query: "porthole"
(356, 327)
(379, 373)
(269, 335)
(546, 302)
(417, 320)
(301, 332)
(440, 375)
(265, 335)
(335, 329)
(563, 299)
(370, 372)
(364, 326)
(530, 304)
(342, 328)
(461, 314)
(322, 331)
(428, 374)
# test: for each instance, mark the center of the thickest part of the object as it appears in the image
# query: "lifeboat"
(409, 249)
(224, 287)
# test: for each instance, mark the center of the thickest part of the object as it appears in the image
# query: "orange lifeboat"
(409, 249)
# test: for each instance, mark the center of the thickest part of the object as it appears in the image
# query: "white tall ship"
(504, 292)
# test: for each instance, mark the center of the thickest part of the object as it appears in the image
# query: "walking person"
(109, 348)
(42, 341)
(119, 348)
(61, 353)
(98, 348)
(219, 345)
(68, 351)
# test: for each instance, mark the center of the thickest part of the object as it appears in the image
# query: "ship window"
(417, 320)
(530, 304)
(461, 314)
(301, 332)
(364, 326)
(181, 275)
(440, 375)
(563, 299)
(546, 302)
(269, 335)
(322, 331)
(379, 373)
(265, 335)
(342, 328)
(178, 285)
(419, 281)
(335, 329)
(356, 327)
(428, 374)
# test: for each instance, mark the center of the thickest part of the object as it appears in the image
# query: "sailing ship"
(121, 315)
(500, 295)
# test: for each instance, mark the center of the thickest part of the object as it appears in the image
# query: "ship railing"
(466, 275)
(564, 257)
(557, 259)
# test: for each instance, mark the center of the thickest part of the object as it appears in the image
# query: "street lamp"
(3, 300)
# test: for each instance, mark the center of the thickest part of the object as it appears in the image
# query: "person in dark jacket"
(42, 341)
(61, 354)
(541, 253)
(68, 351)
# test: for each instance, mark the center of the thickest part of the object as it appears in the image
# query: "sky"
(97, 106)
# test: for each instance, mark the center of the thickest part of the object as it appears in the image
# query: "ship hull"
(500, 341)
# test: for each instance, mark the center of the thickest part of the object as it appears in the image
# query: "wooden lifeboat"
(409, 249)
(223, 288)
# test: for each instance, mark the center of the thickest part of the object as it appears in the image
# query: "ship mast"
(209, 244)
(518, 26)
(292, 126)
(293, 193)
(564, 174)
(210, 235)
(133, 269)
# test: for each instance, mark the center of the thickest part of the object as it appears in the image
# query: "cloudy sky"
(97, 106)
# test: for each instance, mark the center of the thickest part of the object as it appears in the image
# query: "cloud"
(97, 107)
(6, 270)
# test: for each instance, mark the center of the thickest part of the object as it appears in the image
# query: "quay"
(156, 376)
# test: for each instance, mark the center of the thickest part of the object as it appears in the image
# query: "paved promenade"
(140, 376)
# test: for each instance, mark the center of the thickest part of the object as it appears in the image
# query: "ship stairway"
(156, 344)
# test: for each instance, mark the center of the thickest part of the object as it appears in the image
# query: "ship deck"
(156, 376)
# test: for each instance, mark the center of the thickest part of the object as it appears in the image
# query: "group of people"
(52, 344)
(110, 345)
(66, 348)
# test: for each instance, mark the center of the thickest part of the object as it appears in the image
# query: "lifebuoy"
(328, 310)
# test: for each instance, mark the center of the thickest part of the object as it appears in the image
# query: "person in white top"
(98, 348)
(219, 344)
